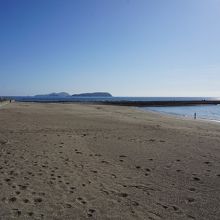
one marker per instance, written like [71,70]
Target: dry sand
[75,161]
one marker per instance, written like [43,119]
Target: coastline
[3,103]
[179,116]
[81,161]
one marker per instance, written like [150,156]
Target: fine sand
[75,161]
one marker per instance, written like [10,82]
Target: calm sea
[209,112]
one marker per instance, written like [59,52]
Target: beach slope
[78,161]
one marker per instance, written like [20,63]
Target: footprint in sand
[17,192]
[3,142]
[122,156]
[22,187]
[124,195]
[152,140]
[94,171]
[192,189]
[175,208]
[67,205]
[163,206]
[78,152]
[30,213]
[12,199]
[16,213]
[148,171]
[190,200]
[91,212]
[191,217]
[81,200]
[113,175]
[38,200]
[72,189]
[196,179]
[134,203]
[25,200]
[7,180]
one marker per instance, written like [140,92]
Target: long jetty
[163,103]
[160,103]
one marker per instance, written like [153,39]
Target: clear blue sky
[126,47]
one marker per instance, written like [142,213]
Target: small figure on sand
[195,115]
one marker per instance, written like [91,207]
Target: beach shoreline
[82,161]
[181,117]
[2,103]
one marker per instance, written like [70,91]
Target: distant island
[65,94]
[54,94]
[94,94]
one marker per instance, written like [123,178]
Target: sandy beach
[78,161]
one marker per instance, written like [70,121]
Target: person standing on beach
[195,115]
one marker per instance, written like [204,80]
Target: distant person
[195,115]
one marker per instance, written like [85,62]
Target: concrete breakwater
[160,103]
[134,103]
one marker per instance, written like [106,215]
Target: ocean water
[207,112]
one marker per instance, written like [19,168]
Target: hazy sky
[126,47]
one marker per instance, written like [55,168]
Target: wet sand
[75,161]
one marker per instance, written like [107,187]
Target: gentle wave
[207,112]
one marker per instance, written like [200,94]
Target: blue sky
[126,47]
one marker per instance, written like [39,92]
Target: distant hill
[94,94]
[54,94]
[65,94]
